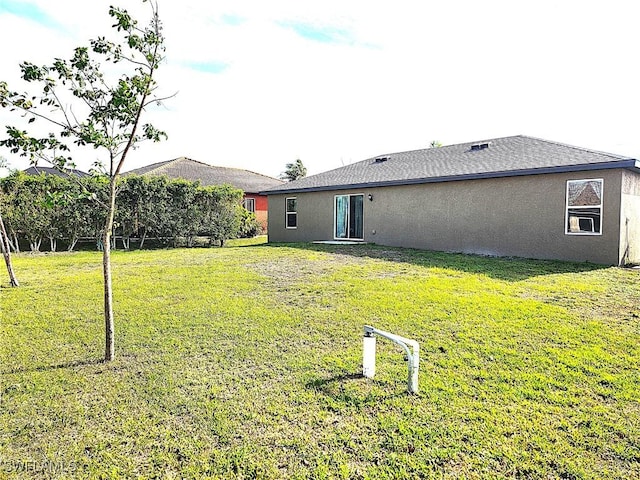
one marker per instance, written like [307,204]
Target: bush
[48,206]
[249,225]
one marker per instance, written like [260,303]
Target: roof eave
[628,163]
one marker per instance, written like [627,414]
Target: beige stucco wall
[515,216]
[630,219]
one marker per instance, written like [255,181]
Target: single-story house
[250,183]
[513,196]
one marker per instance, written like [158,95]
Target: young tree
[96,111]
[294,171]
[5,244]
[6,253]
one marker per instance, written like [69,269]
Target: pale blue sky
[27,10]
[320,33]
[260,84]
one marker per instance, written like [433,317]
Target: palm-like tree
[294,171]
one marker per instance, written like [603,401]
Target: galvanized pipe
[413,358]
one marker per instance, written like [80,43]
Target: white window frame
[249,204]
[292,212]
[335,219]
[567,228]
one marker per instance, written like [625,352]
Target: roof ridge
[446,146]
[553,142]
[152,166]
[160,167]
[193,160]
[232,168]
[170,162]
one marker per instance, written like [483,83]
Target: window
[291,215]
[250,204]
[348,217]
[584,207]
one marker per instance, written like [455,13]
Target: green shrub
[249,225]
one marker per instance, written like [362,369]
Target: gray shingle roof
[36,170]
[501,157]
[188,169]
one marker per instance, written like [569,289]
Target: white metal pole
[414,367]
[413,358]
[369,355]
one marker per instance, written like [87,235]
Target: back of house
[513,196]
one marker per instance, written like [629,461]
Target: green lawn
[244,362]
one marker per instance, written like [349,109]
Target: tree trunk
[72,243]
[6,252]
[34,245]
[109,330]
[144,236]
[16,245]
[10,241]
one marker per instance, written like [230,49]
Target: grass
[244,362]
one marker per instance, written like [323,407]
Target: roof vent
[480,146]
[381,159]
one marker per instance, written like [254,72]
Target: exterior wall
[315,217]
[630,219]
[262,209]
[514,216]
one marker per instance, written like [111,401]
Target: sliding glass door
[348,217]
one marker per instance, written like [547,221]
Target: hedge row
[67,209]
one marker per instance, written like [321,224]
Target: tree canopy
[294,171]
[93,106]
[171,211]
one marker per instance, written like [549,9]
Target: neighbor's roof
[206,174]
[499,157]
[36,170]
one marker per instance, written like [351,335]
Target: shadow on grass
[59,366]
[352,389]
[511,269]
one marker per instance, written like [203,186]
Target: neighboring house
[249,182]
[35,170]
[514,196]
